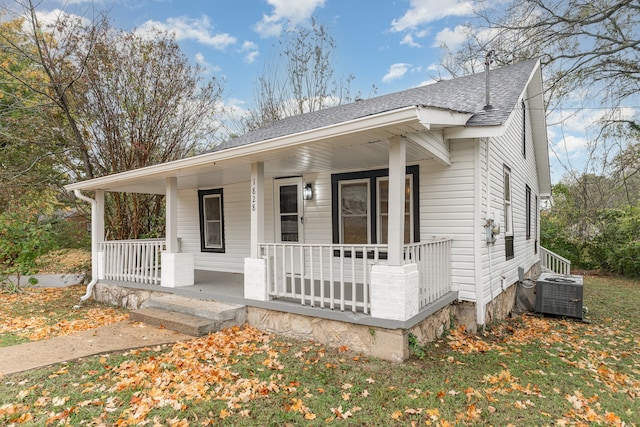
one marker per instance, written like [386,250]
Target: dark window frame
[372,176]
[535,225]
[201,196]
[527,204]
[524,129]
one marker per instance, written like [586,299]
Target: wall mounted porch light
[307,192]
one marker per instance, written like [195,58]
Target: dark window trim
[201,195]
[508,247]
[527,204]
[535,225]
[524,129]
[373,175]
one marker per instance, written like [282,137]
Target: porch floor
[229,288]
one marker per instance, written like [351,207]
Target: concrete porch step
[188,315]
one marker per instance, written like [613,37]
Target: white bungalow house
[357,224]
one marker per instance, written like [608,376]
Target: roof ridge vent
[488,60]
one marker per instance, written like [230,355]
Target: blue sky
[391,44]
[387,44]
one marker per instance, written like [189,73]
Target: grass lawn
[528,371]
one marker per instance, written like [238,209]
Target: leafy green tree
[112,100]
[25,235]
[30,145]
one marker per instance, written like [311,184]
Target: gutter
[94,245]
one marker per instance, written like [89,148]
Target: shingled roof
[463,94]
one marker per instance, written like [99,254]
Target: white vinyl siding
[236,232]
[507,150]
[447,209]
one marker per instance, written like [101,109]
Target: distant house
[357,224]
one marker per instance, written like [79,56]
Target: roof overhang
[369,128]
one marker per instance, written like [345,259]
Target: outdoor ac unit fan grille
[558,296]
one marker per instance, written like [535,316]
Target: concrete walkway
[115,337]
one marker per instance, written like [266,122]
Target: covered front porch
[312,279]
[248,212]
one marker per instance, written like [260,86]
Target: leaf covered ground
[40,313]
[525,371]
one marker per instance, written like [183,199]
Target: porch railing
[339,276]
[135,261]
[434,264]
[553,262]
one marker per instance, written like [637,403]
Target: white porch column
[255,268]
[257,207]
[97,219]
[177,268]
[397,173]
[395,287]
[171,200]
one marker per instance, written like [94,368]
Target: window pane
[354,230]
[213,234]
[289,228]
[288,199]
[212,208]
[383,194]
[354,201]
[507,187]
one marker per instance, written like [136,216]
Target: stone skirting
[377,341]
[388,344]
[130,298]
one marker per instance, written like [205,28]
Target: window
[355,217]
[524,129]
[508,214]
[361,207]
[527,203]
[211,220]
[535,227]
[383,209]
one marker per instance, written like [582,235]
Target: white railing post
[343,275]
[136,261]
[553,262]
[434,265]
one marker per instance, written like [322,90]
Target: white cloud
[200,60]
[408,40]
[452,38]
[199,30]
[53,16]
[290,12]
[426,11]
[251,57]
[250,49]
[396,71]
[571,144]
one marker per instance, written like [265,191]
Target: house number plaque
[253,195]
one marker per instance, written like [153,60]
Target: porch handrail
[434,264]
[336,276]
[553,262]
[135,261]
[322,275]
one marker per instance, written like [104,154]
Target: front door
[289,220]
[289,210]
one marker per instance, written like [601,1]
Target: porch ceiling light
[308,191]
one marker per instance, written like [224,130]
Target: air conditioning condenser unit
[560,295]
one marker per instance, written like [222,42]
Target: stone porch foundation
[388,344]
[376,341]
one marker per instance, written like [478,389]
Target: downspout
[94,244]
